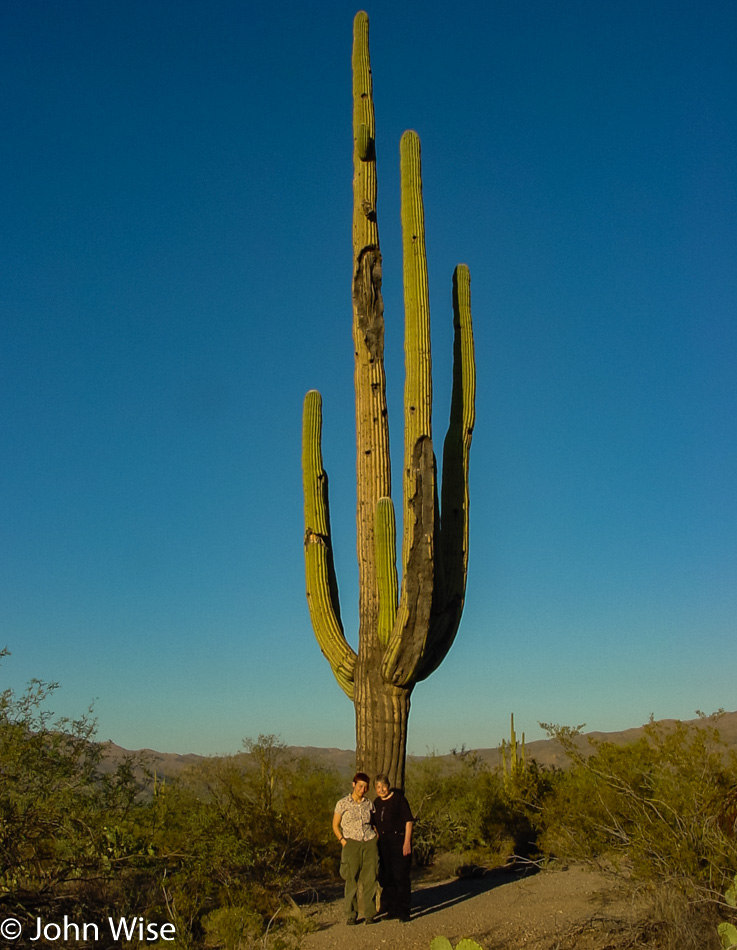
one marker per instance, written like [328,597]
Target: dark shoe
[351,922]
[404,918]
[371,920]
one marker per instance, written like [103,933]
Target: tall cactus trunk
[372,429]
[403,635]
[379,716]
[382,714]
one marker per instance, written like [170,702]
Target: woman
[393,821]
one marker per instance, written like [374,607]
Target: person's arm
[408,826]
[407,846]
[337,818]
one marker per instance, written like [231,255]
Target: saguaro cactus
[517,764]
[404,634]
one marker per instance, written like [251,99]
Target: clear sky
[175,275]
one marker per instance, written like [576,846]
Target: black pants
[396,893]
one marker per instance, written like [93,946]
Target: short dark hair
[382,779]
[361,777]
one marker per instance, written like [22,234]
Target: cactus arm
[453,543]
[322,588]
[407,642]
[385,536]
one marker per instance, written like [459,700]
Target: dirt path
[549,909]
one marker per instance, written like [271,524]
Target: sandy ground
[547,909]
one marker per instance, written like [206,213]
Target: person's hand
[407,848]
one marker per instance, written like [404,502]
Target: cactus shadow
[437,897]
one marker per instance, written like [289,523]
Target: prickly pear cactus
[730,895]
[728,935]
[442,943]
[728,932]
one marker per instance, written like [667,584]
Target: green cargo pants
[359,861]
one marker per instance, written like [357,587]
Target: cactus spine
[404,634]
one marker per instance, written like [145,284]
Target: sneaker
[371,920]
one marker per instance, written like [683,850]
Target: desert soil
[548,910]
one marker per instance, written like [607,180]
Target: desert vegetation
[232,849]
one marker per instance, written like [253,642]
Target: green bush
[653,808]
[464,806]
[220,851]
[70,838]
[240,834]
[447,799]
[513,807]
[217,852]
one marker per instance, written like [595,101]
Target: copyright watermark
[73,931]
[10,928]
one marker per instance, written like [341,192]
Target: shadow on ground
[431,898]
[437,897]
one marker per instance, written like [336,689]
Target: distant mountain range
[549,752]
[546,752]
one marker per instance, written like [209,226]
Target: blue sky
[175,275]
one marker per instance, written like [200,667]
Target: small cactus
[517,764]
[442,943]
[727,934]
[730,895]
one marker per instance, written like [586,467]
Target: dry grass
[660,918]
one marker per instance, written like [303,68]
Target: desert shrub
[216,852]
[464,806]
[231,927]
[447,798]
[654,807]
[237,928]
[512,809]
[240,834]
[70,838]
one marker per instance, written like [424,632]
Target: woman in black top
[393,822]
